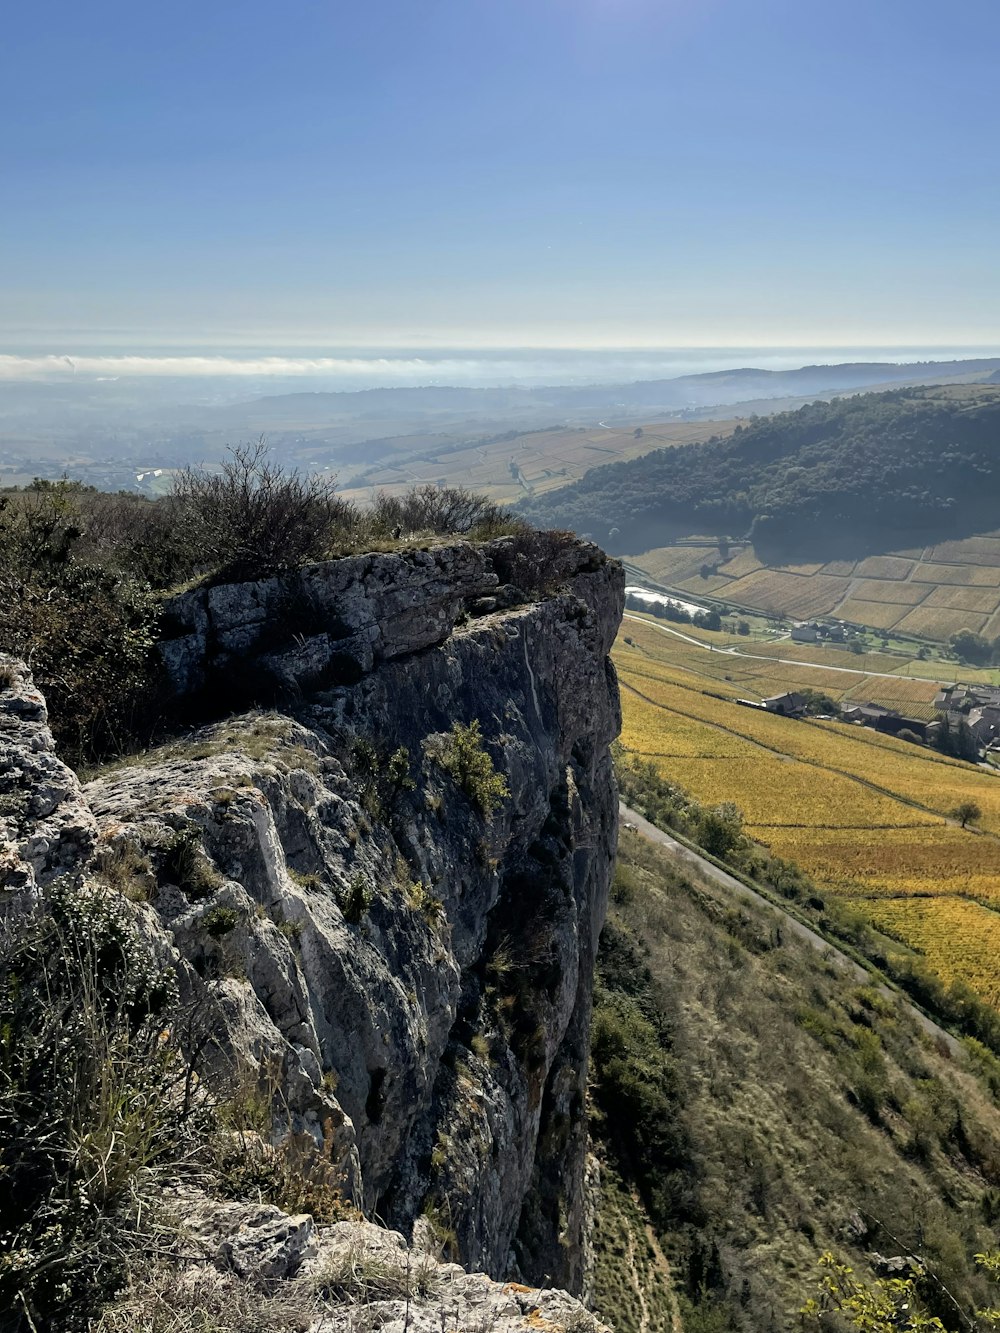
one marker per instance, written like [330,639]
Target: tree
[967,812]
[900,1301]
[971,647]
[743,627]
[721,829]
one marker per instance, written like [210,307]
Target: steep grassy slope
[754,1107]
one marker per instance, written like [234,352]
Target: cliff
[381,894]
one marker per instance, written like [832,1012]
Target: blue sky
[499,173]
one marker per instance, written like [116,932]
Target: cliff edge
[379,866]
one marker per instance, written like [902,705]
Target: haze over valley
[500,667]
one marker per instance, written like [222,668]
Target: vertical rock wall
[413,971]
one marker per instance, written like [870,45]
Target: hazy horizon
[439,367]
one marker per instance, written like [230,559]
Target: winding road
[691,860]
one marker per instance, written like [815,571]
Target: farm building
[885,719]
[806,632]
[791,704]
[964,698]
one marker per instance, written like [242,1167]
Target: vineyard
[929,594]
[868,816]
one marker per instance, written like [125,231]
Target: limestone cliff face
[342,908]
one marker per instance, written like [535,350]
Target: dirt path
[798,928]
[660,1262]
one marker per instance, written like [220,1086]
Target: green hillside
[755,1107]
[859,475]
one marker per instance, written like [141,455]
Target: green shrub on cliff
[462,754]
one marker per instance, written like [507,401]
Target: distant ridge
[706,389]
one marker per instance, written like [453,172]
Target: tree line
[855,476]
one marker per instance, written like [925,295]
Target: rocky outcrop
[46,827]
[382,897]
[354,1275]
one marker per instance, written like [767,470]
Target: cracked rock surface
[407,971]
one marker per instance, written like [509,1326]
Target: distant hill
[847,478]
[710,389]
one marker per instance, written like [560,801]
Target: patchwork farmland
[929,593]
[868,816]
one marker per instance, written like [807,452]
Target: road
[789,661]
[797,928]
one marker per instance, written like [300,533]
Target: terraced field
[930,593]
[868,816]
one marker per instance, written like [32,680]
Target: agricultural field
[958,937]
[868,816]
[925,594]
[513,466]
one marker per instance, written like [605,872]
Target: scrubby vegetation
[84,574]
[763,1107]
[93,1106]
[464,757]
[872,473]
[104,1109]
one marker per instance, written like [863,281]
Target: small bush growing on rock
[462,754]
[219,921]
[255,1158]
[126,868]
[184,863]
[382,778]
[358,899]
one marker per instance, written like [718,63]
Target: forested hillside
[861,475]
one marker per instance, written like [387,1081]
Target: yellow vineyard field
[935,622]
[770,790]
[879,615]
[959,938]
[867,815]
[889,590]
[981,576]
[972,551]
[983,600]
[885,567]
[940,861]
[791,594]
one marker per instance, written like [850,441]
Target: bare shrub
[442,511]
[252,518]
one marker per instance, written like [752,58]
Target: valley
[869,817]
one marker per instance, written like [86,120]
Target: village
[967,725]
